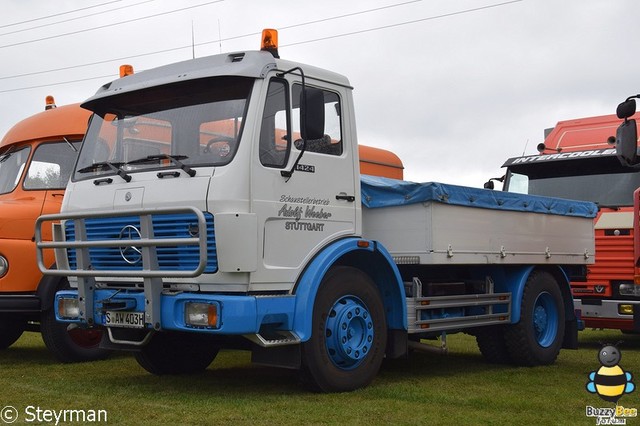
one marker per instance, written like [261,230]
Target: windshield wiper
[7,153]
[106,165]
[175,159]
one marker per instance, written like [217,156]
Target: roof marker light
[49,103]
[126,70]
[269,42]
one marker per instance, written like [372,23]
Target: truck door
[300,214]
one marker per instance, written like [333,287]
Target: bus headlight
[4,266]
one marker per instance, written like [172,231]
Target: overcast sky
[454,87]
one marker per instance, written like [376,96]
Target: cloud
[454,94]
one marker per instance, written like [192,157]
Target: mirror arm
[303,121]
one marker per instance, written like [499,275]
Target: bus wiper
[175,159]
[106,165]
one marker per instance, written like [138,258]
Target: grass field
[458,388]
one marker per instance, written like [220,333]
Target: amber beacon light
[270,42]
[126,70]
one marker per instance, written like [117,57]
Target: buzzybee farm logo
[610,382]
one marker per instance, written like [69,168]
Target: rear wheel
[537,338]
[349,333]
[177,353]
[11,328]
[492,345]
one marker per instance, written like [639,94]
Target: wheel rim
[545,319]
[349,332]
[85,338]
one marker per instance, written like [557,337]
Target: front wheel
[177,353]
[537,338]
[349,333]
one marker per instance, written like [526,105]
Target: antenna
[220,35]
[193,42]
[525,147]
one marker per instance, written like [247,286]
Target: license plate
[124,319]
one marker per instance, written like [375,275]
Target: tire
[349,333]
[492,346]
[537,338]
[177,353]
[11,328]
[68,343]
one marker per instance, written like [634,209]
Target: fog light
[629,290]
[4,266]
[625,309]
[68,308]
[201,314]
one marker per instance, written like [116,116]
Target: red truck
[578,161]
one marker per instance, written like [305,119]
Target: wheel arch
[369,257]
[514,280]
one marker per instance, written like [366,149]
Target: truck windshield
[196,123]
[604,182]
[12,163]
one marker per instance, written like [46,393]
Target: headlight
[4,266]
[201,314]
[629,290]
[68,308]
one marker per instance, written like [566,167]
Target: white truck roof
[253,64]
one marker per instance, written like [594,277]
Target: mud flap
[570,340]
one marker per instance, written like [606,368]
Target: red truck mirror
[627,133]
[626,109]
[627,143]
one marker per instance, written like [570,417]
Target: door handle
[344,196]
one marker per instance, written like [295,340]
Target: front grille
[177,258]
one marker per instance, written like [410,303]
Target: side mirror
[627,142]
[489,185]
[626,109]
[312,113]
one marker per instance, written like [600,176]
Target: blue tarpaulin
[385,192]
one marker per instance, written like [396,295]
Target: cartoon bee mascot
[610,382]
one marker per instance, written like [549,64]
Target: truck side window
[12,164]
[331,143]
[51,166]
[274,132]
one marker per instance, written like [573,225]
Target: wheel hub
[349,332]
[545,319]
